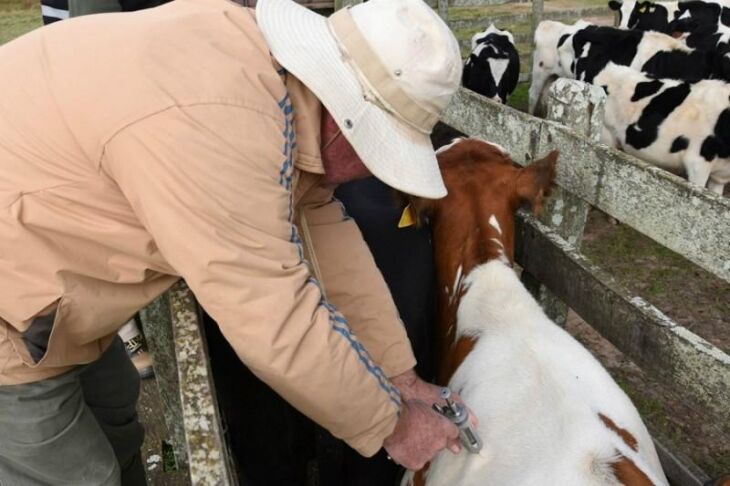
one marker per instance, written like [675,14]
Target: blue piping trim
[338,321]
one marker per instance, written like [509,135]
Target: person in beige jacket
[202,140]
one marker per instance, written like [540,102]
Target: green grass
[518,100]
[168,457]
[491,11]
[17,18]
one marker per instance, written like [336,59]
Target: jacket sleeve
[353,282]
[212,185]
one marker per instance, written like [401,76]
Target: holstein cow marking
[582,50]
[550,35]
[548,412]
[644,15]
[493,67]
[678,126]
[704,25]
[650,52]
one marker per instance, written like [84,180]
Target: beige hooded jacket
[139,148]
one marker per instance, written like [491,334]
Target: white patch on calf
[537,393]
[495,224]
[495,145]
[498,68]
[447,147]
[457,284]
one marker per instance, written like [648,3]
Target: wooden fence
[685,218]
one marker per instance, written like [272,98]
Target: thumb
[451,431]
[454,445]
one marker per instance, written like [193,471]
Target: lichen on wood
[208,457]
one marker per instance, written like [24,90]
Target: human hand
[419,434]
[412,387]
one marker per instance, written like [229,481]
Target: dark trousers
[78,429]
[272,442]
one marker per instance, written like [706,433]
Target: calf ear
[534,182]
[614,5]
[420,208]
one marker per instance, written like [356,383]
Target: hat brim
[395,153]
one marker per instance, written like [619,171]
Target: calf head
[480,37]
[624,9]
[550,37]
[644,15]
[493,66]
[545,61]
[474,223]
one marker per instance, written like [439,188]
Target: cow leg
[716,187]
[698,170]
[608,138]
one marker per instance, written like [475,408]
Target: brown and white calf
[549,414]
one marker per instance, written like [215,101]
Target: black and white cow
[493,67]
[672,124]
[581,51]
[644,15]
[653,53]
[703,25]
[707,24]
[550,35]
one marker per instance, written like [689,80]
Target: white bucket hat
[385,70]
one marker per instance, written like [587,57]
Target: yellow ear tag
[407,218]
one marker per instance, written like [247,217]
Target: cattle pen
[687,219]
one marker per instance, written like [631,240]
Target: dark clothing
[272,442]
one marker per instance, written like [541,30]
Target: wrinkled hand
[414,388]
[419,434]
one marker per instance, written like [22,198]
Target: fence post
[210,461]
[537,12]
[173,329]
[443,8]
[578,106]
[157,327]
[345,3]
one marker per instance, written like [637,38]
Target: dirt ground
[156,452]
[689,295]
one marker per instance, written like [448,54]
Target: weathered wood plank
[208,456]
[580,107]
[483,22]
[157,327]
[538,12]
[688,219]
[670,352]
[443,9]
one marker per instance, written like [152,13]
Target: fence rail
[502,20]
[676,356]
